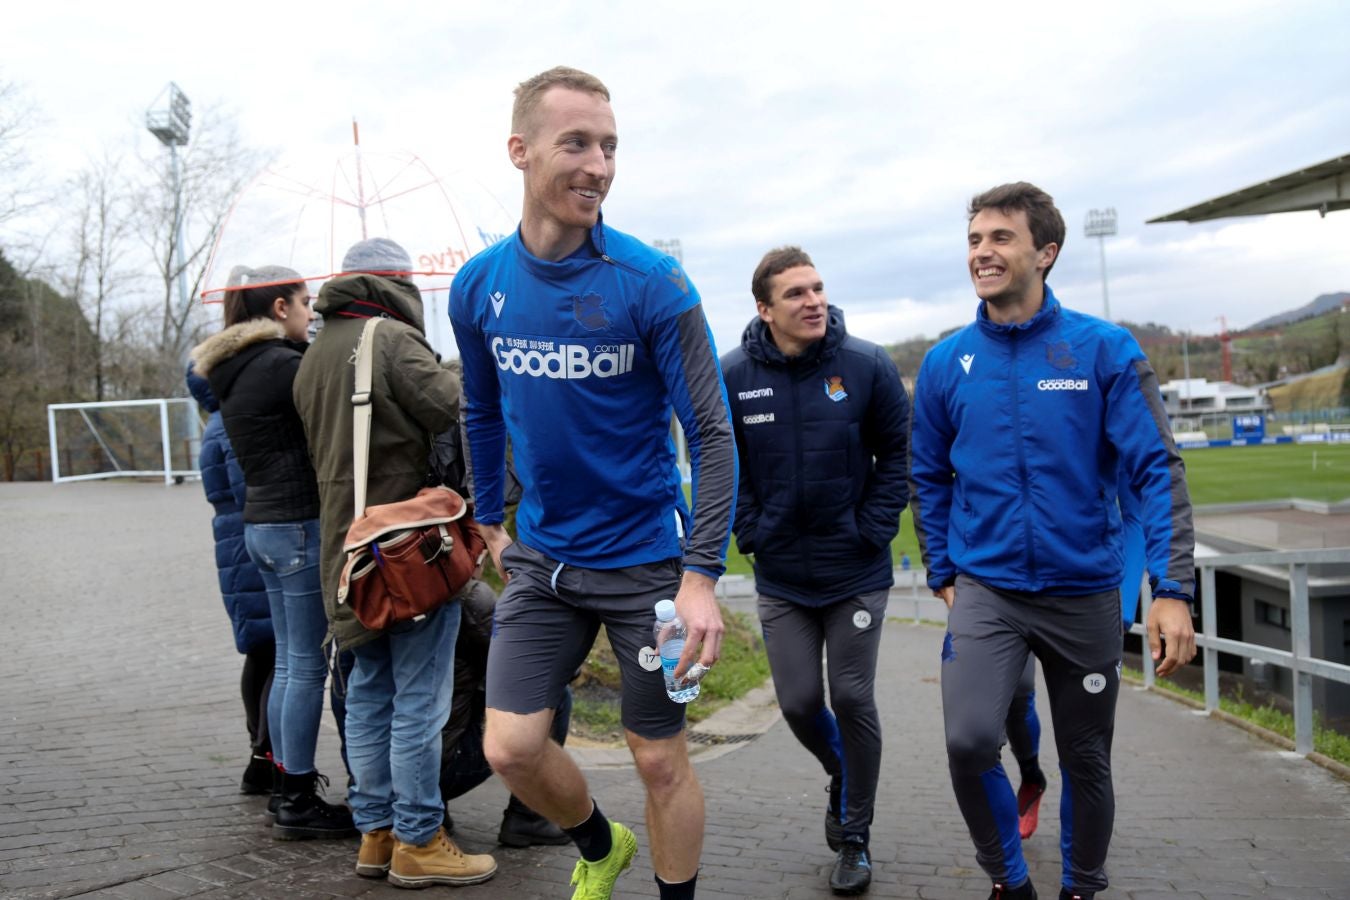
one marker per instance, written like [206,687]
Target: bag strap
[361,414]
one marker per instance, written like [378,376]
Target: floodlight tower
[169,120]
[670,247]
[1101,223]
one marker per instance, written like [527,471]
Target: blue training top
[581,361]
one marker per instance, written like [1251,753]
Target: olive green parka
[413,397]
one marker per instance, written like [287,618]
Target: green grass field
[1240,474]
[1215,475]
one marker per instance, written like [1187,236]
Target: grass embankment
[1331,744]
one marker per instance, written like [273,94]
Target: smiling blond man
[1022,423]
[577,342]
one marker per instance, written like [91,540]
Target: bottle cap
[665,610]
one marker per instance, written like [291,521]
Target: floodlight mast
[171,124]
[670,247]
[1099,224]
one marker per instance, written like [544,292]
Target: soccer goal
[125,439]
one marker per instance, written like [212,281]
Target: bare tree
[215,166]
[101,241]
[17,185]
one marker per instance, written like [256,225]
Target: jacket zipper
[1027,530]
[614,262]
[797,455]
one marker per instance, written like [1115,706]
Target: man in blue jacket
[822,423]
[1022,422]
[577,342]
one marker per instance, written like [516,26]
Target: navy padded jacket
[823,441]
[241,586]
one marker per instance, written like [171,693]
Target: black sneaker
[852,869]
[1024,891]
[834,828]
[1066,894]
[523,827]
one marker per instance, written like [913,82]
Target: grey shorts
[547,619]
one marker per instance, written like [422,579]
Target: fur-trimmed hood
[228,343]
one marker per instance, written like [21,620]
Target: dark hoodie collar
[371,296]
[758,342]
[1048,313]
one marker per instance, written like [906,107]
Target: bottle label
[670,655]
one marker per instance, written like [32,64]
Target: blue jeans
[287,556]
[398,701]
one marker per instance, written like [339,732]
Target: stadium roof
[1324,187]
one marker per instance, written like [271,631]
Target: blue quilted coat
[240,584]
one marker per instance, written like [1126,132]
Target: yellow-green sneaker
[595,880]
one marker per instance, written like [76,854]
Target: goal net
[125,438]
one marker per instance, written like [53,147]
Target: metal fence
[1299,660]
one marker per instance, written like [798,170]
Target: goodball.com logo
[1062,384]
[568,361]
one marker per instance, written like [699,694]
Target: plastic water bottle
[670,634]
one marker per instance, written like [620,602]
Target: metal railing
[1299,660]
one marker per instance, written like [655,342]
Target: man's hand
[497,540]
[946,594]
[697,605]
[1169,622]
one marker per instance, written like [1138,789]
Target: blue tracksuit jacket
[1018,434]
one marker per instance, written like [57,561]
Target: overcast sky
[859,133]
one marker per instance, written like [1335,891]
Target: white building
[1193,396]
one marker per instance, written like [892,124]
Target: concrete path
[122,741]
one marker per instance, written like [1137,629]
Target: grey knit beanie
[377,256]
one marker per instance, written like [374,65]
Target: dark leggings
[844,736]
[1077,639]
[255,683]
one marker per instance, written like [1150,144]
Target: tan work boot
[438,861]
[377,849]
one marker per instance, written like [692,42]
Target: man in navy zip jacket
[822,423]
[1022,423]
[577,342]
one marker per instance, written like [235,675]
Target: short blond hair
[530,91]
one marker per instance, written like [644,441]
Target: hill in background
[1323,304]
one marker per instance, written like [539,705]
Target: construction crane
[1226,342]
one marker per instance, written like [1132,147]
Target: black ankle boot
[302,814]
[257,776]
[523,827]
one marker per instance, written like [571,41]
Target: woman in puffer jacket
[251,366]
[241,585]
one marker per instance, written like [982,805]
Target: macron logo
[498,301]
[966,361]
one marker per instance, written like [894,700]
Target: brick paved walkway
[121,743]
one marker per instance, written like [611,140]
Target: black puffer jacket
[823,444]
[251,367]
